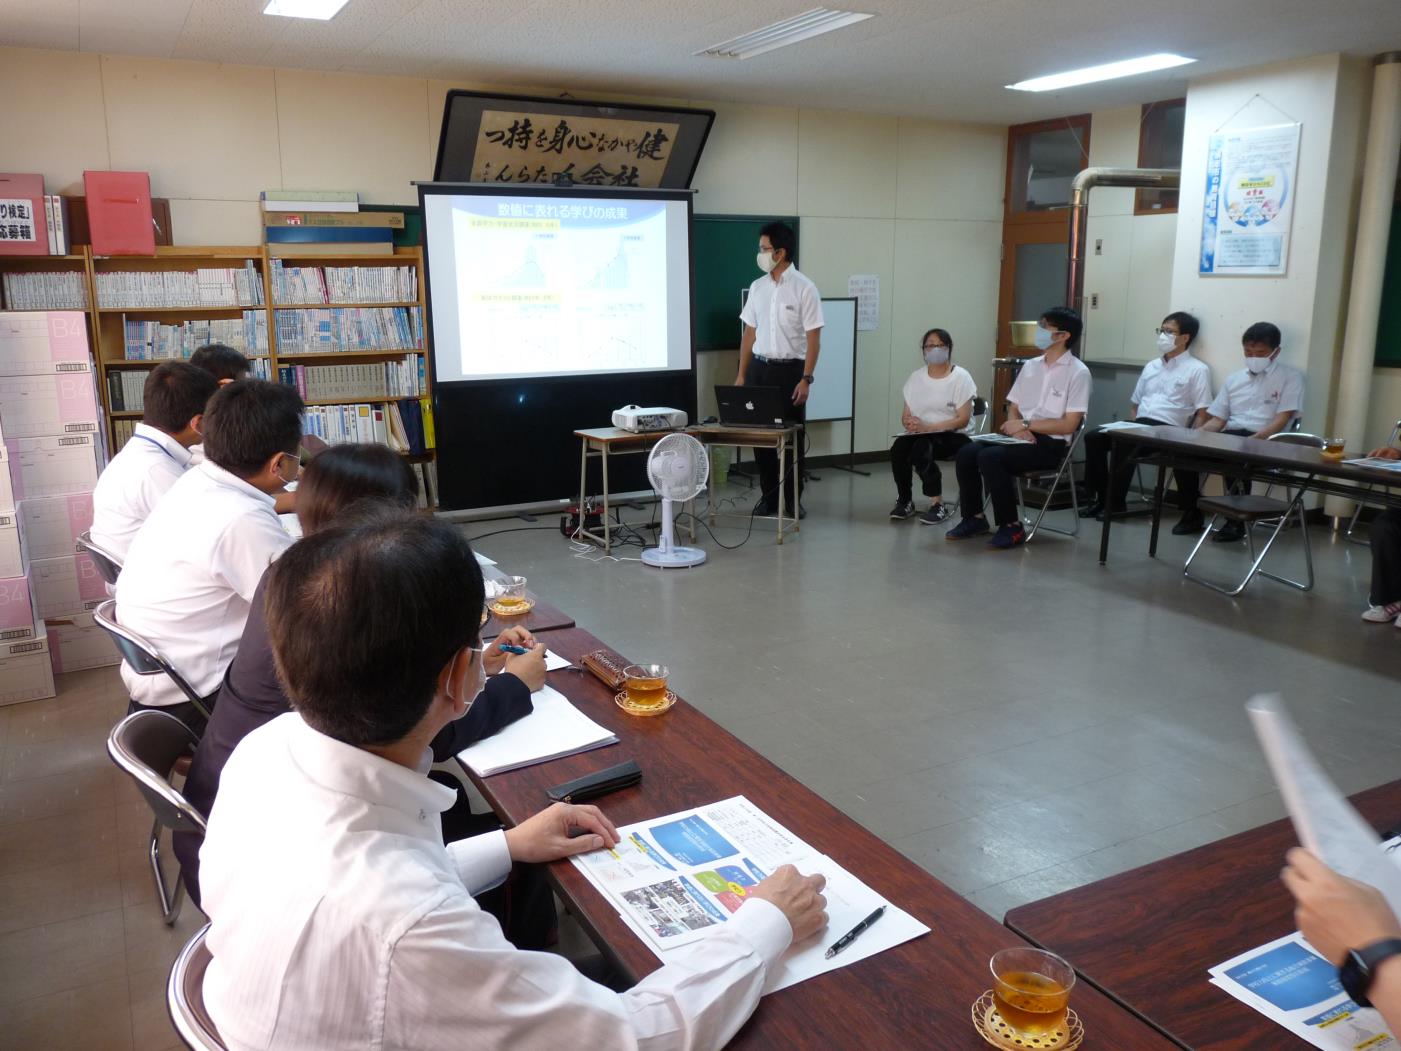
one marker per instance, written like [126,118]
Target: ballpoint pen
[851,935]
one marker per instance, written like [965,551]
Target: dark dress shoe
[1190,522]
[1229,533]
[1093,511]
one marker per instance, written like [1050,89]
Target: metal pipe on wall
[1364,305]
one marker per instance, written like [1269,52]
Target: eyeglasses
[1166,332]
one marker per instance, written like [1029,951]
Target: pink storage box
[77,642]
[43,344]
[17,619]
[70,584]
[25,671]
[31,406]
[7,489]
[54,465]
[50,526]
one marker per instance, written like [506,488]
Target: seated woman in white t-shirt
[938,408]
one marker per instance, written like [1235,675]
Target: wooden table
[1147,937]
[542,617]
[600,443]
[782,440]
[1256,459]
[917,995]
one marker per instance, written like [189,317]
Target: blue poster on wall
[1249,201]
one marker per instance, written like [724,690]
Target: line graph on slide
[529,275]
[614,275]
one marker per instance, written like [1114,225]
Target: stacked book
[405,425]
[46,290]
[340,329]
[325,222]
[157,341]
[344,284]
[207,287]
[388,379]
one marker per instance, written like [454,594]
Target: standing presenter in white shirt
[195,564]
[153,459]
[782,337]
[344,922]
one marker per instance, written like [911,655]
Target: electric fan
[677,467]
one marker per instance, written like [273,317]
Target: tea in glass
[1333,448]
[1032,990]
[645,684]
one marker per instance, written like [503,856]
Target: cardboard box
[32,406]
[7,490]
[35,343]
[17,619]
[25,671]
[50,526]
[65,585]
[77,642]
[11,551]
[54,465]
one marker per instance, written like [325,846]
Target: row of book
[122,430]
[406,425]
[325,222]
[386,379]
[340,329]
[343,284]
[158,341]
[126,387]
[60,229]
[46,290]
[205,287]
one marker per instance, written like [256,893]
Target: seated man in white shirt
[157,454]
[1045,407]
[1173,390]
[195,564]
[344,922]
[1260,400]
[938,405]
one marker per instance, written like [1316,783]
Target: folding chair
[1054,476]
[1250,510]
[109,566]
[146,745]
[184,996]
[979,417]
[1357,512]
[140,656]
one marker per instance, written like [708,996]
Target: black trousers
[997,466]
[1386,557]
[784,375]
[919,454]
[1114,491]
[1191,480]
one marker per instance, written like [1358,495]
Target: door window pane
[1043,164]
[1038,282]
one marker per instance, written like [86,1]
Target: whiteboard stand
[832,397]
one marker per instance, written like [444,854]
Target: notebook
[553,730]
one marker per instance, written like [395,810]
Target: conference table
[918,994]
[1281,463]
[1147,937]
[541,617]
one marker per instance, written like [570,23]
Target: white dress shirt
[1248,402]
[782,313]
[131,485]
[190,574]
[1048,392]
[339,920]
[1171,390]
[938,400]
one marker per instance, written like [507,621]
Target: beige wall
[919,203]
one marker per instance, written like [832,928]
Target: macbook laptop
[752,406]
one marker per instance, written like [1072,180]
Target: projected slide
[558,286]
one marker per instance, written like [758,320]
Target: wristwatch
[1357,970]
[809,378]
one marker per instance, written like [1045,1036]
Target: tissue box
[32,406]
[77,642]
[54,465]
[17,619]
[11,553]
[43,344]
[70,584]
[51,525]
[25,672]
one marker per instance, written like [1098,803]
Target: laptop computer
[752,406]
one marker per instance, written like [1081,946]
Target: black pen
[851,935]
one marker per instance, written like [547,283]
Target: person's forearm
[814,345]
[1063,425]
[1275,426]
[746,350]
[1134,414]
[1213,423]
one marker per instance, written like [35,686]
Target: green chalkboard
[722,253]
[1389,324]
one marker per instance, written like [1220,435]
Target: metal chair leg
[169,899]
[1256,560]
[1074,530]
[1307,584]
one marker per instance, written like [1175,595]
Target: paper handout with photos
[1325,821]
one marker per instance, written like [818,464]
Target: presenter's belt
[779,361]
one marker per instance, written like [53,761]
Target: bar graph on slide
[613,276]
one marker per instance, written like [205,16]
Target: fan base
[676,558]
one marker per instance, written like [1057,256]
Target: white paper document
[554,662]
[553,730]
[1378,463]
[676,878]
[1000,439]
[1120,425]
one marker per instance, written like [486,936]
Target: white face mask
[1044,339]
[765,261]
[936,355]
[1258,365]
[1167,342]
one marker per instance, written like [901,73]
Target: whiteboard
[833,392]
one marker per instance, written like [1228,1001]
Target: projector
[640,420]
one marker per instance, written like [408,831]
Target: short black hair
[943,336]
[364,616]
[345,474]
[1262,332]
[175,392]
[1187,324]
[1066,320]
[248,422]
[221,362]
[781,235]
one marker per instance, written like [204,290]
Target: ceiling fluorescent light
[1130,67]
[790,31]
[322,9]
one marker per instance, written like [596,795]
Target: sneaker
[969,527]
[1008,536]
[902,510]
[937,513]
[1229,533]
[1383,614]
[1190,522]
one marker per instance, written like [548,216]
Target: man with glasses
[1173,390]
[195,563]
